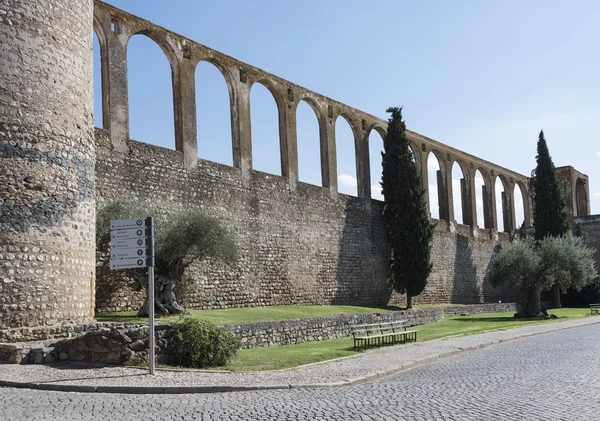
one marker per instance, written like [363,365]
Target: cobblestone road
[554,376]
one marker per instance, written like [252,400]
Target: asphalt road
[554,376]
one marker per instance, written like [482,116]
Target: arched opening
[264,116]
[500,204]
[97,75]
[434,180]
[309,144]
[480,202]
[346,157]
[519,206]
[459,184]
[375,150]
[213,115]
[151,116]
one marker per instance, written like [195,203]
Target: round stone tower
[47,155]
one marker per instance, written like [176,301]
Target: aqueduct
[115,28]
[300,244]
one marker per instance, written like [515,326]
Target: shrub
[199,343]
[589,294]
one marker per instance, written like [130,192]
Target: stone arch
[482,198]
[526,208]
[460,189]
[518,205]
[346,156]
[502,203]
[436,184]
[103,94]
[310,155]
[217,131]
[226,72]
[375,163]
[170,56]
[263,159]
[312,103]
[162,42]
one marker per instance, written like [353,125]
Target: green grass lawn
[254,314]
[280,357]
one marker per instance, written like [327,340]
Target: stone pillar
[363,167]
[465,202]
[527,206]
[470,199]
[289,145]
[447,192]
[487,197]
[493,210]
[425,182]
[47,156]
[508,212]
[118,91]
[186,137]
[241,132]
[328,155]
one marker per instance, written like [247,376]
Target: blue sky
[480,76]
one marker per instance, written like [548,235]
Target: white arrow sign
[127,244]
[128,263]
[128,253]
[119,224]
[127,234]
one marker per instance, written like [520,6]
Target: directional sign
[128,263]
[127,234]
[128,253]
[127,244]
[126,223]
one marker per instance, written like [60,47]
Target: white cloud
[376,192]
[598,154]
[347,180]
[597,195]
[347,184]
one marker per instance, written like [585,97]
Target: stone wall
[294,331]
[295,248]
[112,343]
[589,229]
[47,155]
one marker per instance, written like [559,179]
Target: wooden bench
[595,308]
[385,333]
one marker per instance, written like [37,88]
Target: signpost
[132,247]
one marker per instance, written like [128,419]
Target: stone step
[27,353]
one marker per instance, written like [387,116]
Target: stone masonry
[128,345]
[299,244]
[47,158]
[300,248]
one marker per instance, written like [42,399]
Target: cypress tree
[549,215]
[405,212]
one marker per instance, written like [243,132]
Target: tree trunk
[165,301]
[408,301]
[556,291]
[531,304]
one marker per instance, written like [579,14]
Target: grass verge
[288,356]
[255,314]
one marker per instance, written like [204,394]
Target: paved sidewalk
[367,367]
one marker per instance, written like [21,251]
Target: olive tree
[181,239]
[532,266]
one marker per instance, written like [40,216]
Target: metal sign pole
[151,311]
[132,247]
[150,254]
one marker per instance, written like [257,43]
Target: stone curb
[225,389]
